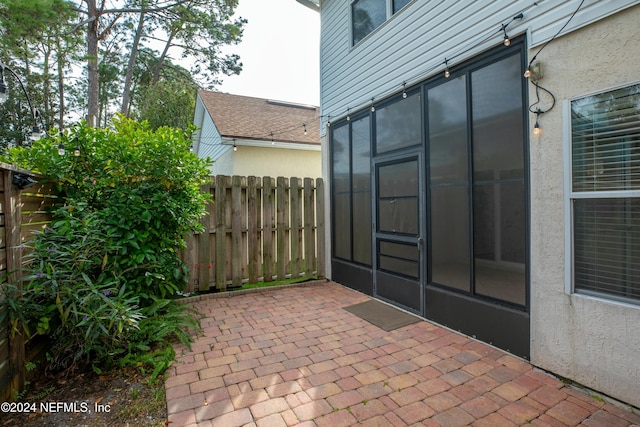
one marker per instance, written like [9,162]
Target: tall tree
[199,30]
[128,77]
[168,102]
[101,20]
[32,37]
[193,29]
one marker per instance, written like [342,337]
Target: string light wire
[557,34]
[535,107]
[483,38]
[491,33]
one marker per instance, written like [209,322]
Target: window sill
[605,299]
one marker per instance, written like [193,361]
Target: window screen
[605,131]
[367,15]
[399,4]
[605,148]
[351,190]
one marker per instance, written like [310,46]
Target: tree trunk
[156,71]
[126,95]
[60,83]
[47,115]
[92,63]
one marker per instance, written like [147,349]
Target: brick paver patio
[293,356]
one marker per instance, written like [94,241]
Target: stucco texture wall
[274,162]
[223,165]
[592,341]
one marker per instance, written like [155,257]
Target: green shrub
[103,272]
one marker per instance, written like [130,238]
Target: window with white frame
[367,15]
[605,194]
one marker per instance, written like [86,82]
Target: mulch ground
[86,399]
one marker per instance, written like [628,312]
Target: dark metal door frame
[408,293]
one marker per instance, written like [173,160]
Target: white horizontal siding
[207,140]
[413,44]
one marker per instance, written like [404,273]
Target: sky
[279,52]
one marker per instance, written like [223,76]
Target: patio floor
[293,356]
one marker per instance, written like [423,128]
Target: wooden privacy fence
[21,213]
[258,230]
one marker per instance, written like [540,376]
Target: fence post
[320,226]
[12,212]
[221,233]
[253,229]
[204,246]
[268,200]
[282,215]
[236,231]
[295,236]
[309,241]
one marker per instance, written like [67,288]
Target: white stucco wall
[207,139]
[591,341]
[274,162]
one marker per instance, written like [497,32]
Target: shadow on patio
[294,356]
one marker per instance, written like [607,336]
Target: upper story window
[399,4]
[367,15]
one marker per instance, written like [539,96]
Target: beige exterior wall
[223,165]
[258,161]
[592,341]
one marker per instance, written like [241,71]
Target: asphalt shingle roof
[245,117]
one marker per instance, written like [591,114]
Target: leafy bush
[103,272]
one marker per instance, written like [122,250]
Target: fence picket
[22,212]
[296,236]
[204,249]
[281,224]
[220,202]
[308,230]
[268,198]
[236,232]
[253,227]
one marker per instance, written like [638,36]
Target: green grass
[256,285]
[275,283]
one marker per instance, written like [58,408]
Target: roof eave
[311,4]
[239,141]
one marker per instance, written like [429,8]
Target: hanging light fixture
[537,130]
[507,40]
[36,133]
